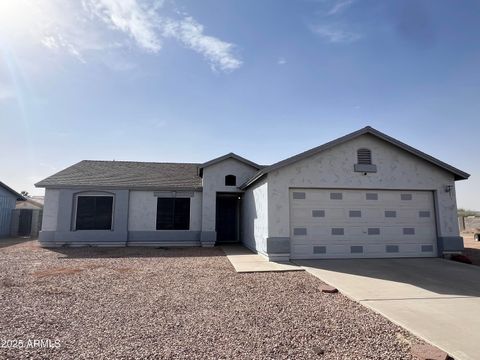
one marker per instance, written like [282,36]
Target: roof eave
[19,196]
[118,187]
[225,157]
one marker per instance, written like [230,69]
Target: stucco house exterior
[365,194]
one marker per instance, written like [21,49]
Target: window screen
[173,213]
[94,213]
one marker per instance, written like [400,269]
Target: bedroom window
[230,180]
[173,213]
[94,212]
[364,156]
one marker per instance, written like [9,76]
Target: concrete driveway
[435,299]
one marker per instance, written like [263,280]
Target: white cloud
[335,33]
[281,61]
[94,29]
[219,53]
[129,17]
[339,6]
[147,27]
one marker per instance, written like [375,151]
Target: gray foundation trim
[278,245]
[171,236]
[278,257]
[366,168]
[208,238]
[449,244]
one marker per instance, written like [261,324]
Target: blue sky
[192,80]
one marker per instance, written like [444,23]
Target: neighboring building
[362,195]
[27,217]
[31,202]
[8,199]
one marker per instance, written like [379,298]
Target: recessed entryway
[228,217]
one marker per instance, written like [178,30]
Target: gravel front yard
[176,304]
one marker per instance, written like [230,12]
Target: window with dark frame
[94,213]
[364,156]
[230,180]
[173,213]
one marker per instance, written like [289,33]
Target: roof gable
[459,175]
[225,157]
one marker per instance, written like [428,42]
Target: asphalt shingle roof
[127,174]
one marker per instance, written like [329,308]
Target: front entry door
[228,218]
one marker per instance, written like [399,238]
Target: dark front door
[25,222]
[228,218]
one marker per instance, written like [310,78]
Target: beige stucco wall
[50,210]
[214,181]
[333,168]
[255,216]
[142,214]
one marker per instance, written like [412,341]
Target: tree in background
[466,212]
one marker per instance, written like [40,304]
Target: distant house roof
[29,204]
[459,175]
[126,174]
[13,192]
[228,156]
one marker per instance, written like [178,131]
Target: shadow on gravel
[13,241]
[135,252]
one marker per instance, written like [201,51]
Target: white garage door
[329,223]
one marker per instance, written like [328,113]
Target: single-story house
[365,194]
[8,199]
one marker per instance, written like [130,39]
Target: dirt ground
[147,303]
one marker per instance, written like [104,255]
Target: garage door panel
[333,223]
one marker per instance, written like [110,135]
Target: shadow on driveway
[438,276]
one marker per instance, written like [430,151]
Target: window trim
[90,194]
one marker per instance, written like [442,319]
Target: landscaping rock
[147,303]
